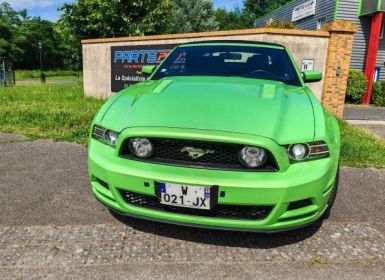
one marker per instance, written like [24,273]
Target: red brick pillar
[337,65]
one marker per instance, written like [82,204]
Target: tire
[333,194]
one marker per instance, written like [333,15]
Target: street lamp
[42,76]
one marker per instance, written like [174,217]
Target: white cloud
[28,4]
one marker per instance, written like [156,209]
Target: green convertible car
[223,134]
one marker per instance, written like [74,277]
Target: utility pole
[42,75]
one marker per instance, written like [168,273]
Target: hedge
[356,86]
[378,94]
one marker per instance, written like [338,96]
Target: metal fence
[7,75]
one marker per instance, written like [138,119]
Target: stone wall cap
[340,26]
[289,32]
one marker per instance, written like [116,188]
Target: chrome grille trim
[168,151]
[99,132]
[318,149]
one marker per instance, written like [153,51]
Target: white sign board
[307,64]
[304,10]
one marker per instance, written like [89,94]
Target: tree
[9,40]
[19,39]
[258,8]
[33,31]
[191,16]
[235,19]
[86,19]
[101,19]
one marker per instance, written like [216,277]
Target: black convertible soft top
[232,41]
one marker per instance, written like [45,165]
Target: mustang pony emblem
[195,153]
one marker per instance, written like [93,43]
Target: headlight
[105,135]
[299,152]
[141,147]
[252,157]
[313,150]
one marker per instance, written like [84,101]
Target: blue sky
[47,9]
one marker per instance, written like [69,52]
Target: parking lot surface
[52,227]
[364,113]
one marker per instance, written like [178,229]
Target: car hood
[258,107]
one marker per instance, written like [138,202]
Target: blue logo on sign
[136,56]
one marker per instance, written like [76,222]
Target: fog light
[252,157]
[141,147]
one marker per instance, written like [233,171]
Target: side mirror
[148,69]
[311,76]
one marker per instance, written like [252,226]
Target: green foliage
[245,17]
[10,43]
[100,18]
[35,74]
[280,24]
[262,7]
[84,19]
[378,94]
[188,16]
[376,90]
[19,39]
[33,31]
[56,111]
[235,19]
[356,86]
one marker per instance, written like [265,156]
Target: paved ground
[364,113]
[52,227]
[371,119]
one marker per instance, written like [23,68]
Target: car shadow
[221,237]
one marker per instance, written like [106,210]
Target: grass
[361,149]
[62,113]
[55,111]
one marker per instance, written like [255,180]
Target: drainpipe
[370,65]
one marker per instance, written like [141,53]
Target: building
[368,53]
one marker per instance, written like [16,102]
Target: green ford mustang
[223,134]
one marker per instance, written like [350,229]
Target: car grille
[220,211]
[225,155]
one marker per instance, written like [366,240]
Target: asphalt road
[371,119]
[51,227]
[364,113]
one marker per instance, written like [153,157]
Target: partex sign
[127,62]
[304,10]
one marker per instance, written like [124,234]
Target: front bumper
[308,180]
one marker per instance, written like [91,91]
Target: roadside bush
[356,86]
[378,95]
[280,24]
[376,91]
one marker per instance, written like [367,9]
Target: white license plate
[185,196]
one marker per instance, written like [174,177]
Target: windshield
[230,61]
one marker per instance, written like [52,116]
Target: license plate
[197,197]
